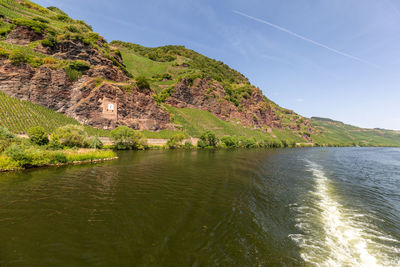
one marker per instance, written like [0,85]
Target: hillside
[59,63]
[333,132]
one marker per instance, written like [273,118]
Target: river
[283,207]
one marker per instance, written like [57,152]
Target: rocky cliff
[48,84]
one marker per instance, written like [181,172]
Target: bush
[162,76]
[5,133]
[6,29]
[164,95]
[70,136]
[36,26]
[40,19]
[209,139]
[72,28]
[72,74]
[49,60]
[92,140]
[230,141]
[175,141]
[62,17]
[50,41]
[19,57]
[4,53]
[18,154]
[6,163]
[58,157]
[38,136]
[142,82]
[57,10]
[201,144]
[248,142]
[127,138]
[188,145]
[79,65]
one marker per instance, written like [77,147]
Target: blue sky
[342,61]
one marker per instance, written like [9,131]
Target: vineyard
[18,116]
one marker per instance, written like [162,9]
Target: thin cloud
[305,38]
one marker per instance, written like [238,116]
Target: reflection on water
[323,207]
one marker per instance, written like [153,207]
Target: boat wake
[333,235]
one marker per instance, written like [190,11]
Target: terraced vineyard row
[18,116]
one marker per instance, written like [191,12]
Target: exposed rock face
[82,99]
[22,35]
[77,50]
[211,97]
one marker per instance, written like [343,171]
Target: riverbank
[34,158]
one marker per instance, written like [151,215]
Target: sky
[337,59]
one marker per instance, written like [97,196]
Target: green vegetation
[205,66]
[38,136]
[70,136]
[142,82]
[175,141]
[36,26]
[19,153]
[196,121]
[334,133]
[126,138]
[56,26]
[208,139]
[19,116]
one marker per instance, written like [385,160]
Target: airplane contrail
[304,38]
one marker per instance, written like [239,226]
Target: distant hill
[329,131]
[59,63]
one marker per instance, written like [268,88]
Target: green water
[201,208]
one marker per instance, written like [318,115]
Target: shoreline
[60,164]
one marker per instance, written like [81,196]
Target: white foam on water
[336,236]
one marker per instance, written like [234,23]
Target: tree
[230,141]
[142,82]
[127,138]
[208,139]
[175,141]
[71,136]
[38,136]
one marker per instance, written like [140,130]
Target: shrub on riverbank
[125,138]
[38,136]
[175,141]
[208,140]
[70,136]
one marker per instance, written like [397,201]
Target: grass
[88,154]
[196,121]
[138,65]
[36,157]
[288,135]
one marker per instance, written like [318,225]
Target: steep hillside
[183,78]
[333,132]
[52,60]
